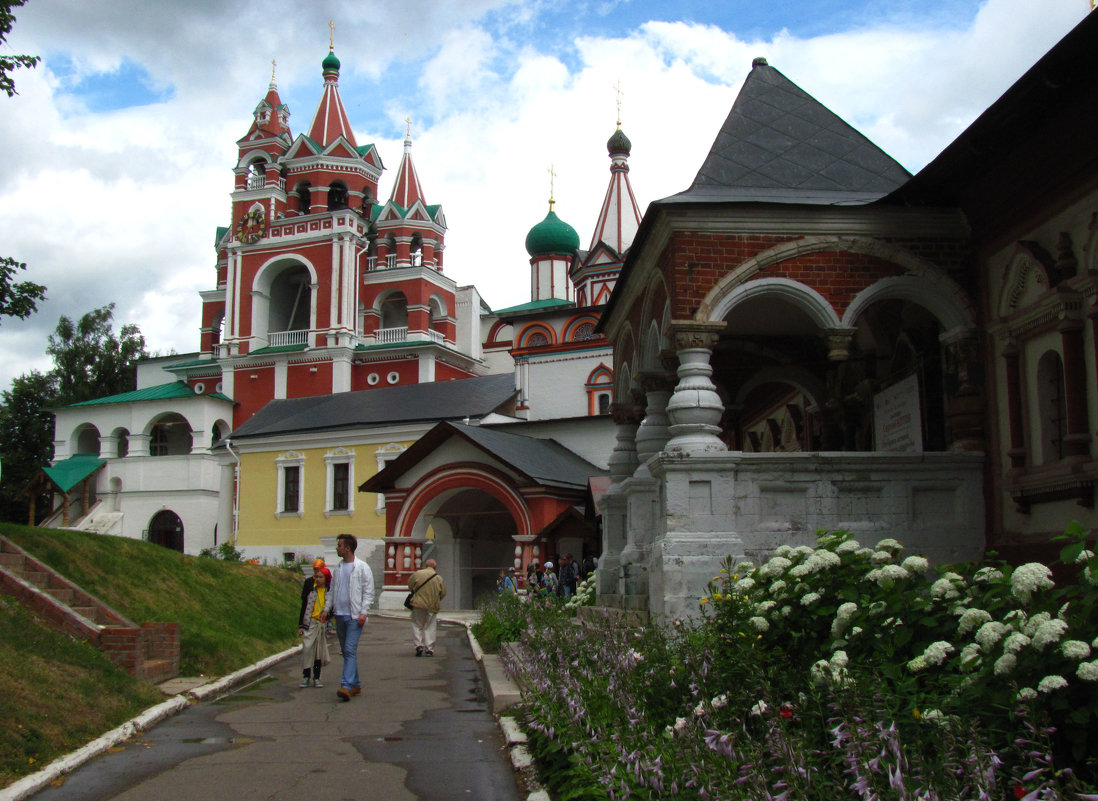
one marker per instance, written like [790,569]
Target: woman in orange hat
[310,625]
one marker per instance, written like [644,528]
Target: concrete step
[35,578]
[87,611]
[158,670]
[63,594]
[12,561]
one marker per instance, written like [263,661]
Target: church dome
[330,63]
[552,235]
[618,143]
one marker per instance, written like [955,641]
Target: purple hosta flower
[972,619]
[1051,683]
[1028,578]
[1048,633]
[1088,671]
[720,702]
[758,709]
[989,634]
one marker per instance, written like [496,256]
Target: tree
[90,361]
[17,300]
[26,438]
[8,64]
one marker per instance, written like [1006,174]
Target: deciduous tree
[90,361]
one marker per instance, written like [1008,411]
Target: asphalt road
[420,730]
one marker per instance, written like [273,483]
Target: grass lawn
[57,693]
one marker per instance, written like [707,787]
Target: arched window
[1052,406]
[537,340]
[583,332]
[301,192]
[87,440]
[604,403]
[170,436]
[416,250]
[257,174]
[337,196]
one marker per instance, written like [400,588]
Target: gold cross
[331,34]
[552,184]
[617,88]
[274,64]
[408,133]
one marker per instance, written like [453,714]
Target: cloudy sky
[116,156]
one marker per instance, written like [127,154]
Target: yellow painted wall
[259,524]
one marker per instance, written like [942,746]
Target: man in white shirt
[352,596]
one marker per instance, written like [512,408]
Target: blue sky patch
[125,87]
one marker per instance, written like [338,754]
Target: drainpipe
[236,485]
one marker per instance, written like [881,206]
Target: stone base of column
[680,567]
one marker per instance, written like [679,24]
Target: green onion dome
[618,143]
[330,63]
[552,236]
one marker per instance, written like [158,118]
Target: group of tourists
[561,580]
[346,594]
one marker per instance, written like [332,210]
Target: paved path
[420,730]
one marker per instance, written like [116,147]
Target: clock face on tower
[251,227]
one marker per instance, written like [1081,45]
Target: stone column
[1017,451]
[654,431]
[965,410]
[1077,440]
[139,444]
[695,408]
[622,462]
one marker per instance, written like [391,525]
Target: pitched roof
[169,391]
[330,120]
[542,461]
[407,189]
[67,473]
[439,400]
[781,145]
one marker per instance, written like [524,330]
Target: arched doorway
[167,529]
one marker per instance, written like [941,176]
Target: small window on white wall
[290,501]
[340,467]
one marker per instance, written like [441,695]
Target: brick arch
[804,297]
[465,476]
[911,264]
[925,291]
[575,322]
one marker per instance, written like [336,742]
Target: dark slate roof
[543,461]
[439,400]
[781,145]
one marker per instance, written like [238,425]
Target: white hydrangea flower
[1015,642]
[943,590]
[864,553]
[764,607]
[877,607]
[1075,649]
[889,544]
[1027,694]
[839,659]
[787,610]
[917,664]
[1005,664]
[1051,683]
[933,715]
[970,655]
[803,550]
[1084,556]
[759,623]
[1049,632]
[1087,671]
[1028,578]
[778,564]
[891,573]
[847,546]
[937,652]
[744,585]
[800,571]
[989,634]
[810,599]
[783,550]
[744,567]
[778,587]
[854,632]
[880,557]
[1036,622]
[916,564]
[1090,576]
[822,559]
[985,574]
[971,619]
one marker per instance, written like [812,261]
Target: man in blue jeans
[352,596]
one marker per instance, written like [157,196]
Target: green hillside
[57,693]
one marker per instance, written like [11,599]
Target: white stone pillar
[622,463]
[695,408]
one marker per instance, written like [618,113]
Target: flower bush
[834,671]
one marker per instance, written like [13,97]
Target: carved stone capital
[687,334]
[626,413]
[838,343]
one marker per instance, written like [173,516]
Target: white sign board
[897,419]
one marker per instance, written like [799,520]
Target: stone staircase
[149,651]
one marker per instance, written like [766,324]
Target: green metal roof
[67,473]
[552,235]
[170,391]
[221,231]
[535,305]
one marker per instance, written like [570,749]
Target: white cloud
[122,206]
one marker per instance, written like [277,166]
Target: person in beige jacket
[428,590]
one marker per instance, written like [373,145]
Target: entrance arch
[166,528]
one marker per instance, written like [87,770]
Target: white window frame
[331,459]
[384,455]
[284,460]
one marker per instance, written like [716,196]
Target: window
[291,488]
[604,403]
[537,339]
[1053,406]
[340,468]
[158,442]
[289,501]
[583,332]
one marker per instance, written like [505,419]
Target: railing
[256,181]
[282,338]
[436,336]
[385,336]
[390,261]
[371,263]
